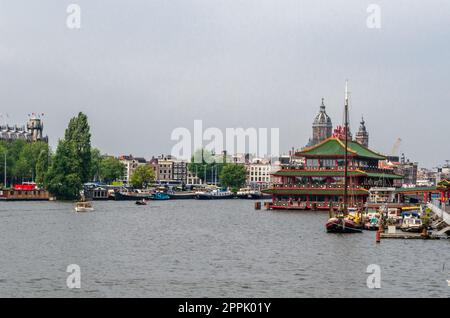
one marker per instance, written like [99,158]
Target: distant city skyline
[141,71]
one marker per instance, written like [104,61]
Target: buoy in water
[257,205]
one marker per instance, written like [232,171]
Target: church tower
[35,127]
[362,136]
[322,126]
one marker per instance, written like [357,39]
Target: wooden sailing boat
[342,223]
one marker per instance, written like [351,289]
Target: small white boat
[84,206]
[411,224]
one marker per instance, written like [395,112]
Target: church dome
[322,118]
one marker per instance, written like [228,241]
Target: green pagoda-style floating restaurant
[319,182]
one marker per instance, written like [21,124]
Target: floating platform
[409,236]
[405,235]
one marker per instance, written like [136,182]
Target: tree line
[63,172]
[75,162]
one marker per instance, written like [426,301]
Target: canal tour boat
[84,206]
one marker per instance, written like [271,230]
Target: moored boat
[410,220]
[251,194]
[27,191]
[181,195]
[160,196]
[411,224]
[131,196]
[342,225]
[216,194]
[372,224]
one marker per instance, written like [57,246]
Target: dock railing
[436,208]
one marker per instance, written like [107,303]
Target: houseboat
[94,191]
[216,194]
[24,192]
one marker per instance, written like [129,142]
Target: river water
[204,249]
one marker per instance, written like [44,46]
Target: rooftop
[334,147]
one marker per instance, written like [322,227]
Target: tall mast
[346,153]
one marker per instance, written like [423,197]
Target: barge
[24,192]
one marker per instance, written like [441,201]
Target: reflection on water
[204,248]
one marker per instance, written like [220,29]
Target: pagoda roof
[383,175]
[334,147]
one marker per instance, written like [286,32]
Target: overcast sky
[139,69]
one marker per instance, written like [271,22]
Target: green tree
[233,175]
[13,150]
[62,179]
[22,169]
[111,169]
[71,165]
[42,165]
[78,138]
[21,159]
[142,176]
[3,152]
[25,166]
[96,160]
